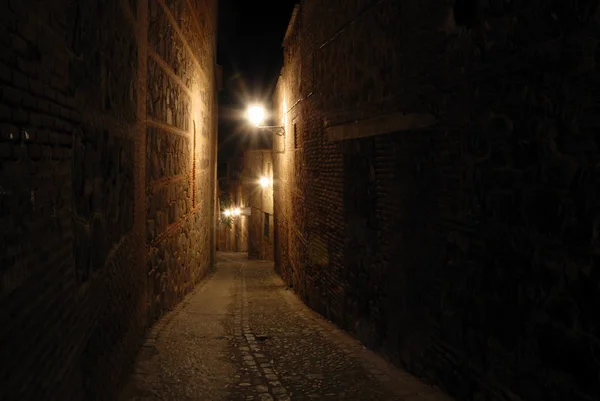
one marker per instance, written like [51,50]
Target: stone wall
[465,250]
[107,151]
[258,164]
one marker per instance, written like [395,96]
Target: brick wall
[107,150]
[258,164]
[466,251]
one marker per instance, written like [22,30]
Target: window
[266,220]
[297,138]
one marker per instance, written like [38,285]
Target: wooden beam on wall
[380,125]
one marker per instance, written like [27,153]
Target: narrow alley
[299,199]
[241,335]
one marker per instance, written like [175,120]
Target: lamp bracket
[277,130]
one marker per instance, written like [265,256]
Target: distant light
[227,213]
[264,182]
[256,114]
[237,211]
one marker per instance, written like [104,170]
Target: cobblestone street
[241,335]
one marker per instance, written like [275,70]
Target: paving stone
[262,389]
[303,362]
[278,390]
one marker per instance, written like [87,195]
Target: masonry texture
[242,336]
[107,171]
[258,164]
[465,250]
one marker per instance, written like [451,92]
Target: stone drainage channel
[241,336]
[260,373]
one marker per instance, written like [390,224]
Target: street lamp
[264,182]
[256,115]
[232,212]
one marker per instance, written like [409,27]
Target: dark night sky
[249,41]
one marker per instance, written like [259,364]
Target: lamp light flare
[237,211]
[264,182]
[256,114]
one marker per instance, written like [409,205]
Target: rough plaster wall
[257,164]
[466,253]
[77,160]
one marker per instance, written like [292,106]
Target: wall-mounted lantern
[265,182]
[256,115]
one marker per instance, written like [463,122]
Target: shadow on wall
[465,251]
[99,219]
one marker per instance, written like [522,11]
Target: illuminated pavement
[242,336]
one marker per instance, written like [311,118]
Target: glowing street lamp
[264,182]
[256,115]
[232,212]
